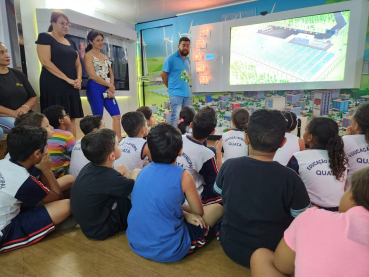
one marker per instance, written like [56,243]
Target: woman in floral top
[100,87]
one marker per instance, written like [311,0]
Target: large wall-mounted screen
[295,50]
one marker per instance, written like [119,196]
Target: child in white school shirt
[78,160]
[134,147]
[356,142]
[323,168]
[233,141]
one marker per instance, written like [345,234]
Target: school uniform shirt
[94,200]
[234,145]
[188,131]
[132,149]
[156,226]
[330,244]
[260,200]
[284,154]
[15,89]
[17,187]
[357,152]
[33,171]
[199,161]
[313,167]
[77,160]
[60,147]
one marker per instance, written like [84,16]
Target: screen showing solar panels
[305,49]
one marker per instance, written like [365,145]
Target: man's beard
[183,53]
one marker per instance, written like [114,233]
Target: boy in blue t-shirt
[160,227]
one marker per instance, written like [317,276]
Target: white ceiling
[137,11]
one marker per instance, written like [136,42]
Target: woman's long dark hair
[325,132]
[54,18]
[187,114]
[90,37]
[361,117]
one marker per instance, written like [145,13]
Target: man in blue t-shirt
[176,76]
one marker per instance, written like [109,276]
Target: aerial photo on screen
[305,49]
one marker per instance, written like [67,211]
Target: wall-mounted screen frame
[355,47]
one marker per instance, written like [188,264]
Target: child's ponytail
[325,130]
[186,116]
[336,154]
[291,119]
[361,117]
[182,126]
[299,127]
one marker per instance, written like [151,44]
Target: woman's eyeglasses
[64,24]
[67,114]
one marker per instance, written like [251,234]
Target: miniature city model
[328,103]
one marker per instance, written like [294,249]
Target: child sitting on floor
[40,120]
[233,141]
[321,243]
[260,197]
[99,198]
[27,147]
[159,227]
[294,143]
[322,168]
[186,116]
[134,147]
[61,145]
[87,124]
[356,141]
[198,159]
[147,112]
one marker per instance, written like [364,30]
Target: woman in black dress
[61,74]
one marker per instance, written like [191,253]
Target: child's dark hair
[164,142]
[53,114]
[361,117]
[89,123]
[292,122]
[147,112]
[98,145]
[132,122]
[29,119]
[360,187]
[186,116]
[240,118]
[326,134]
[204,123]
[23,141]
[90,37]
[266,130]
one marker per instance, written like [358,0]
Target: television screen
[118,58]
[304,49]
